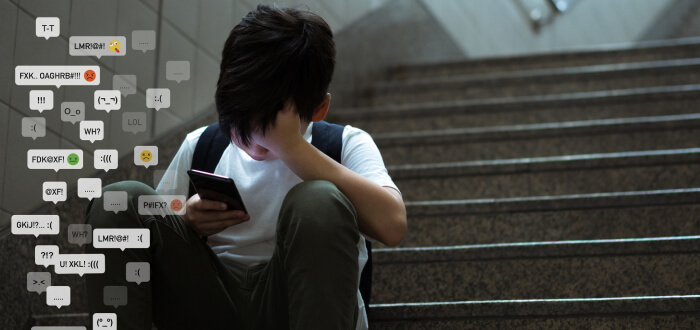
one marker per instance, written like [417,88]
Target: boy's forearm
[381,213]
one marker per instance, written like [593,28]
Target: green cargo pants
[309,283]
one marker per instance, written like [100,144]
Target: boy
[293,261]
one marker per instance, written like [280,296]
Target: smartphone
[218,188]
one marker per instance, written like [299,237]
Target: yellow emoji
[114,46]
[146,156]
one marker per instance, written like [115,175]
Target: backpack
[326,137]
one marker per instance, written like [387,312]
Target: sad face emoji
[146,156]
[114,46]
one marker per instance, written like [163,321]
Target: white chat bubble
[121,238]
[54,159]
[124,83]
[143,40]
[104,321]
[92,130]
[41,100]
[115,201]
[80,233]
[57,75]
[166,181]
[38,281]
[58,296]
[48,27]
[34,127]
[72,111]
[45,255]
[134,122]
[157,98]
[177,70]
[162,205]
[107,100]
[80,264]
[146,156]
[44,224]
[89,188]
[138,272]
[106,159]
[54,191]
[97,46]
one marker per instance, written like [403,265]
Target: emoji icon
[89,75]
[146,156]
[176,205]
[73,159]
[114,46]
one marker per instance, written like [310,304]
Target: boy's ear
[322,109]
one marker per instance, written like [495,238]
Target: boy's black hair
[273,55]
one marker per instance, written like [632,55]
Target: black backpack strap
[210,147]
[328,138]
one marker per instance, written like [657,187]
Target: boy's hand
[207,217]
[286,132]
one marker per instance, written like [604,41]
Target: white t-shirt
[263,186]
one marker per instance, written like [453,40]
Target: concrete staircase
[549,191]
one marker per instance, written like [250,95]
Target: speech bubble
[58,328]
[48,27]
[54,191]
[134,122]
[115,201]
[104,321]
[80,264]
[115,296]
[138,272]
[57,75]
[58,296]
[34,127]
[157,98]
[54,159]
[72,111]
[106,159]
[41,100]
[146,156]
[107,100]
[121,238]
[92,130]
[97,46]
[143,40]
[162,205]
[43,224]
[45,255]
[177,70]
[80,233]
[124,83]
[38,281]
[89,188]
[166,181]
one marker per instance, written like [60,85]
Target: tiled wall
[186,30]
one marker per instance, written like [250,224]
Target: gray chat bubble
[177,70]
[58,328]
[80,234]
[115,201]
[72,111]
[138,272]
[38,281]
[124,83]
[115,296]
[134,122]
[143,40]
[34,127]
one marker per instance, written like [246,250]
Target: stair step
[539,140]
[536,82]
[62,319]
[648,170]
[538,270]
[660,312]
[654,101]
[645,51]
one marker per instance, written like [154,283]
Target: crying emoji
[114,46]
